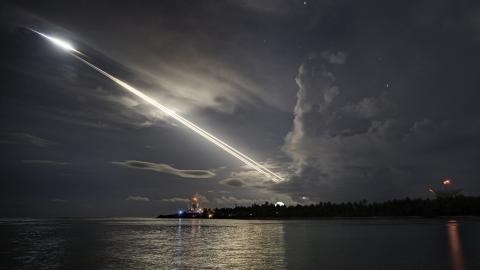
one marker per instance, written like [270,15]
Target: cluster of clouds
[346,145]
[345,141]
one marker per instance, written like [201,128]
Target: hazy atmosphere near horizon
[343,100]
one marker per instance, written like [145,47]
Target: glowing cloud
[219,143]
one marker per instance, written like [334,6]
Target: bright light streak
[58,42]
[219,143]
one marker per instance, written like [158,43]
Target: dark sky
[348,100]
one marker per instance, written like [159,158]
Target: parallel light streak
[219,143]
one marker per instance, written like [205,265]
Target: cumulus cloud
[334,57]
[347,146]
[317,89]
[368,107]
[24,138]
[164,168]
[137,199]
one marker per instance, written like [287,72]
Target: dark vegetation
[454,206]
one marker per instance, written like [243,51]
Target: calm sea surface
[239,244]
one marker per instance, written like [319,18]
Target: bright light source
[446,182]
[180,212]
[216,141]
[279,204]
[65,45]
[61,43]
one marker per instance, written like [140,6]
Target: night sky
[348,100]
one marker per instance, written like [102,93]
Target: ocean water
[239,244]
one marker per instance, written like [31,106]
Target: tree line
[454,206]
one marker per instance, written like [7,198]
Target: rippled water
[239,244]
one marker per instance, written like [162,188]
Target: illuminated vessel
[194,210]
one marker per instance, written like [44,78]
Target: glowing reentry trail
[219,143]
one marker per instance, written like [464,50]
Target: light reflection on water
[246,245]
[455,246]
[194,243]
[238,244]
